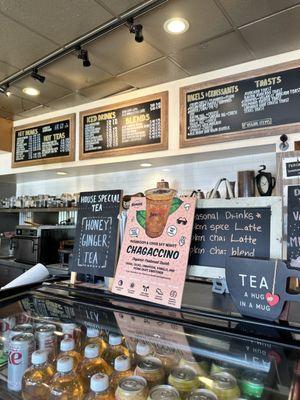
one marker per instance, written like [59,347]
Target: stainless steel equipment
[33,244]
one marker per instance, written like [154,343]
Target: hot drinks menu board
[49,141]
[134,126]
[232,108]
[225,232]
[293,226]
[97,233]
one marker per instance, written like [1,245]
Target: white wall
[183,177]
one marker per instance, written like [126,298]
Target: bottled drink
[100,388]
[132,388]
[91,365]
[73,331]
[65,384]
[67,348]
[122,370]
[142,350]
[93,336]
[151,369]
[20,349]
[115,349]
[47,340]
[35,383]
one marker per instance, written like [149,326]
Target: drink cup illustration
[158,203]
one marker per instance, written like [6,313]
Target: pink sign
[154,256]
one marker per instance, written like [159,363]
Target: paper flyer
[154,255]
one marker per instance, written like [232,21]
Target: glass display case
[147,352]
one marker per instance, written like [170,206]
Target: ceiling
[221,33]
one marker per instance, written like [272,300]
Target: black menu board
[235,107]
[97,233]
[293,169]
[293,228]
[47,142]
[224,232]
[138,125]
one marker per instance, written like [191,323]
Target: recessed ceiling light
[8,93]
[166,170]
[145,165]
[61,173]
[31,91]
[176,26]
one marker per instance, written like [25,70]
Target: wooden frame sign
[253,104]
[45,142]
[134,126]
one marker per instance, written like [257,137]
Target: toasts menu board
[247,105]
[134,126]
[49,141]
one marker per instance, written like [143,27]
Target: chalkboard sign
[97,233]
[134,126]
[50,141]
[233,228]
[234,108]
[293,169]
[293,229]
[258,287]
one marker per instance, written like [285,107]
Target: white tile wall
[183,177]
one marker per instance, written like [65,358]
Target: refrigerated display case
[226,356]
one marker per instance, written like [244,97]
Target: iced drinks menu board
[154,255]
[97,233]
[239,106]
[47,142]
[138,125]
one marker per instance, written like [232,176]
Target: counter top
[54,269]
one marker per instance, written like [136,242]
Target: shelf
[36,210]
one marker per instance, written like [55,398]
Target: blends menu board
[138,125]
[225,232]
[234,108]
[50,141]
[293,226]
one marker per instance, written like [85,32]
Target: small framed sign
[97,233]
[49,141]
[130,127]
[243,227]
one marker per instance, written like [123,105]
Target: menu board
[230,109]
[223,232]
[50,141]
[134,126]
[97,233]
[293,226]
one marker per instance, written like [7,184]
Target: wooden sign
[238,227]
[130,127]
[153,259]
[97,233]
[50,141]
[243,106]
[293,226]
[258,287]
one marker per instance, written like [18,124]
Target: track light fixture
[35,75]
[137,29]
[84,56]
[4,90]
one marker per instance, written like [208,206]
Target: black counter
[10,269]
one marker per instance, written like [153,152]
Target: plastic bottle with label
[36,379]
[67,348]
[91,365]
[122,370]
[93,336]
[115,349]
[142,350]
[100,389]
[65,384]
